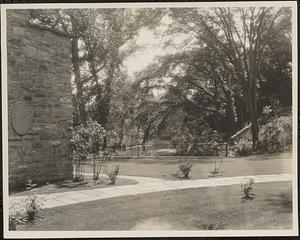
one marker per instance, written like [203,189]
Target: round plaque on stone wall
[20,118]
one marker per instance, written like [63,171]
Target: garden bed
[70,185]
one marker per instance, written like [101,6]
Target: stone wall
[39,74]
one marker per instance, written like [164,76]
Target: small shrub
[20,215]
[17,217]
[270,141]
[247,187]
[185,168]
[79,169]
[113,175]
[100,164]
[275,136]
[86,139]
[33,206]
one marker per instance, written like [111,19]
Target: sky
[151,48]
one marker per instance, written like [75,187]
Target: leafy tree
[229,60]
[276,83]
[196,87]
[239,37]
[105,56]
[100,41]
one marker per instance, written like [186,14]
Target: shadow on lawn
[153,161]
[167,161]
[90,183]
[173,161]
[267,157]
[282,202]
[70,185]
[212,224]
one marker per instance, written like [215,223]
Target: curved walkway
[144,185]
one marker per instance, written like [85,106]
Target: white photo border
[99,234]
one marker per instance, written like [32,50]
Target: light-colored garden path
[144,185]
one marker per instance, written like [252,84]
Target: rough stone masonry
[39,74]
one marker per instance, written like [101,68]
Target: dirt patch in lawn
[212,208]
[70,185]
[154,223]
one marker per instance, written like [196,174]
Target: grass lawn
[188,209]
[165,167]
[70,185]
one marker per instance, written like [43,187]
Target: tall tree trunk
[76,69]
[95,77]
[146,133]
[253,116]
[105,103]
[121,136]
[252,98]
[99,91]
[230,112]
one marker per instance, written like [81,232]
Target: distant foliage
[208,149]
[275,136]
[244,147]
[270,141]
[183,142]
[198,145]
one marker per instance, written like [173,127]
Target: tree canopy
[226,65]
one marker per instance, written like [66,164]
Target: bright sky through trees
[144,56]
[151,46]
